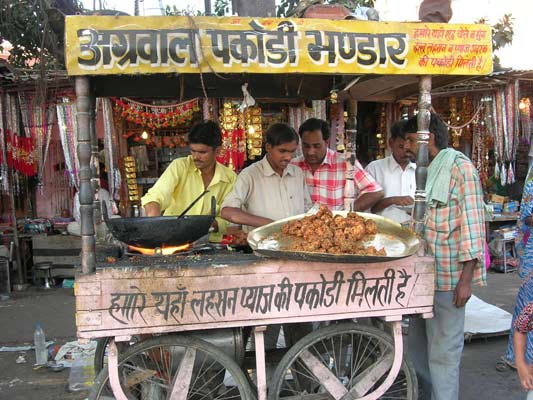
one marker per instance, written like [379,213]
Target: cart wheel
[149,369]
[349,358]
[100,354]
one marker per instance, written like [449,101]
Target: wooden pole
[422,156]
[86,192]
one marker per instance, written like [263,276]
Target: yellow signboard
[149,45]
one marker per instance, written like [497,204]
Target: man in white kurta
[396,175]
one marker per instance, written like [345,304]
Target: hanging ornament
[333,96]
[233,153]
[21,154]
[253,128]
[381,134]
[156,117]
[337,125]
[525,118]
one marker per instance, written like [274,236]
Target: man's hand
[240,217]
[462,293]
[463,290]
[403,200]
[367,200]
[152,209]
[525,374]
[214,226]
[392,201]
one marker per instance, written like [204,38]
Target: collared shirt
[260,191]
[328,183]
[395,181]
[455,232]
[182,182]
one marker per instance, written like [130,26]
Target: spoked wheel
[100,355]
[181,366]
[341,361]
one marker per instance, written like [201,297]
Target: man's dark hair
[436,126]
[397,129]
[280,134]
[315,124]
[206,132]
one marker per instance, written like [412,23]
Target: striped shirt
[327,185]
[455,232]
[524,320]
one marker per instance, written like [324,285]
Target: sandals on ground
[503,365]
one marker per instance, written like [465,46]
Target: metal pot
[153,232]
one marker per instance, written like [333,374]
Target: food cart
[190,315]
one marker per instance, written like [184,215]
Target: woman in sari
[524,249]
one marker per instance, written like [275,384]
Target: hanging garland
[3,161]
[156,117]
[233,152]
[21,154]
[381,134]
[66,119]
[37,121]
[173,141]
[481,143]
[525,118]
[337,125]
[111,152]
[505,132]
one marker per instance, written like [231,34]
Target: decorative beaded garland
[155,117]
[381,134]
[481,142]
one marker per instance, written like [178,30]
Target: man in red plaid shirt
[325,170]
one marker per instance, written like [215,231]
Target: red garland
[153,117]
[233,149]
[21,154]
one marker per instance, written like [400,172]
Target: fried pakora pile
[324,232]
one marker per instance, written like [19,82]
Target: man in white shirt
[396,175]
[270,189]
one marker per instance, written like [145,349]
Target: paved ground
[55,310]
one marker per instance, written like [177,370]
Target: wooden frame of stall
[121,302]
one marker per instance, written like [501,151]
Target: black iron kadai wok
[397,241]
[157,232]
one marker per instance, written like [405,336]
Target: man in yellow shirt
[186,178]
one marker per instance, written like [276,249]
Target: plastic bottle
[41,353]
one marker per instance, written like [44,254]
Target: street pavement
[54,309]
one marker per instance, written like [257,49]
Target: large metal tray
[398,242]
